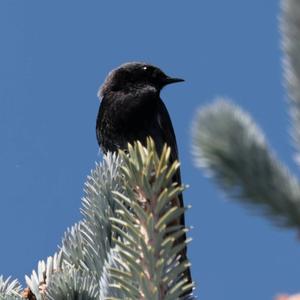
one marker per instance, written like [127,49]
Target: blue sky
[53,57]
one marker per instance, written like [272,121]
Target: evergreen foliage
[231,147]
[234,150]
[125,247]
[9,289]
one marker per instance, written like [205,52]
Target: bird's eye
[147,69]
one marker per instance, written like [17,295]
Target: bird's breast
[129,119]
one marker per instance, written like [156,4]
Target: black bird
[131,109]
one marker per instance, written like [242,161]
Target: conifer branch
[9,289]
[233,149]
[290,33]
[149,250]
[126,246]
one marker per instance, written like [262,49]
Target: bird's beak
[170,80]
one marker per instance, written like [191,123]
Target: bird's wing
[106,135]
[98,123]
[168,135]
[167,131]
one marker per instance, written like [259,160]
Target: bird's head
[136,75]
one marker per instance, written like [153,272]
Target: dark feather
[131,110]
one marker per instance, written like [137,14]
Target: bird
[131,110]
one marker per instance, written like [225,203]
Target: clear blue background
[53,57]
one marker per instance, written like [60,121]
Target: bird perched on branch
[131,109]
